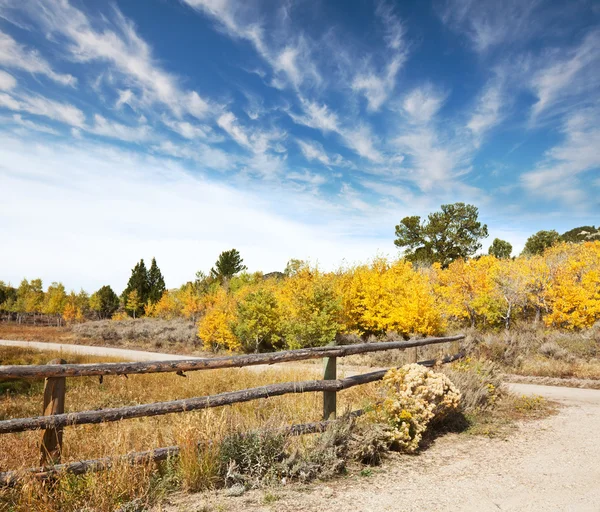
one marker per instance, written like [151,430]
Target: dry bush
[478,382]
[155,332]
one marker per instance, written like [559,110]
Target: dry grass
[177,336]
[196,470]
[15,331]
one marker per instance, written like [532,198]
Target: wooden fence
[54,419]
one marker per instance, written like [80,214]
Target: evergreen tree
[140,283]
[501,249]
[156,283]
[104,302]
[450,234]
[540,241]
[229,263]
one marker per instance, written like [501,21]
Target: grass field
[200,434]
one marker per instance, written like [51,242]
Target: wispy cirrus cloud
[41,106]
[565,167]
[17,56]
[488,23]
[570,76]
[114,41]
[378,86]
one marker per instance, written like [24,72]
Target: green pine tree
[139,282]
[156,282]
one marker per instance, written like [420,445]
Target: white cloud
[489,23]
[187,130]
[488,109]
[241,20]
[377,89]
[257,140]
[115,130]
[570,75]
[314,151]
[40,106]
[558,177]
[362,142]
[229,123]
[378,86]
[109,195]
[118,44]
[30,125]
[206,156]
[7,81]
[349,197]
[15,55]
[423,103]
[316,116]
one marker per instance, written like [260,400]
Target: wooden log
[188,404]
[54,403]
[10,478]
[330,397]
[238,361]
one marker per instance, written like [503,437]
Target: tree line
[439,281]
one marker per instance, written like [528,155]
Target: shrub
[415,397]
[250,458]
[553,350]
[478,382]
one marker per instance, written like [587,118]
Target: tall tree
[140,283]
[104,302]
[227,265]
[540,241]
[156,283]
[501,249]
[450,234]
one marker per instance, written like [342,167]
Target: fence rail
[210,363]
[55,420]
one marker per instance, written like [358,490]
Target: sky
[177,129]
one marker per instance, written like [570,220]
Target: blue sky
[293,129]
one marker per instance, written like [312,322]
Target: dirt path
[547,465]
[121,353]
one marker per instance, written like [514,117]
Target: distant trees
[500,249]
[227,265]
[149,285]
[540,241]
[581,234]
[452,233]
[104,302]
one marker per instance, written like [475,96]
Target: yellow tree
[133,302]
[467,287]
[387,296]
[214,328]
[310,308]
[574,297]
[511,281]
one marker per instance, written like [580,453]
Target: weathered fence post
[329,397]
[54,403]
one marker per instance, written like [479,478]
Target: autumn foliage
[306,306]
